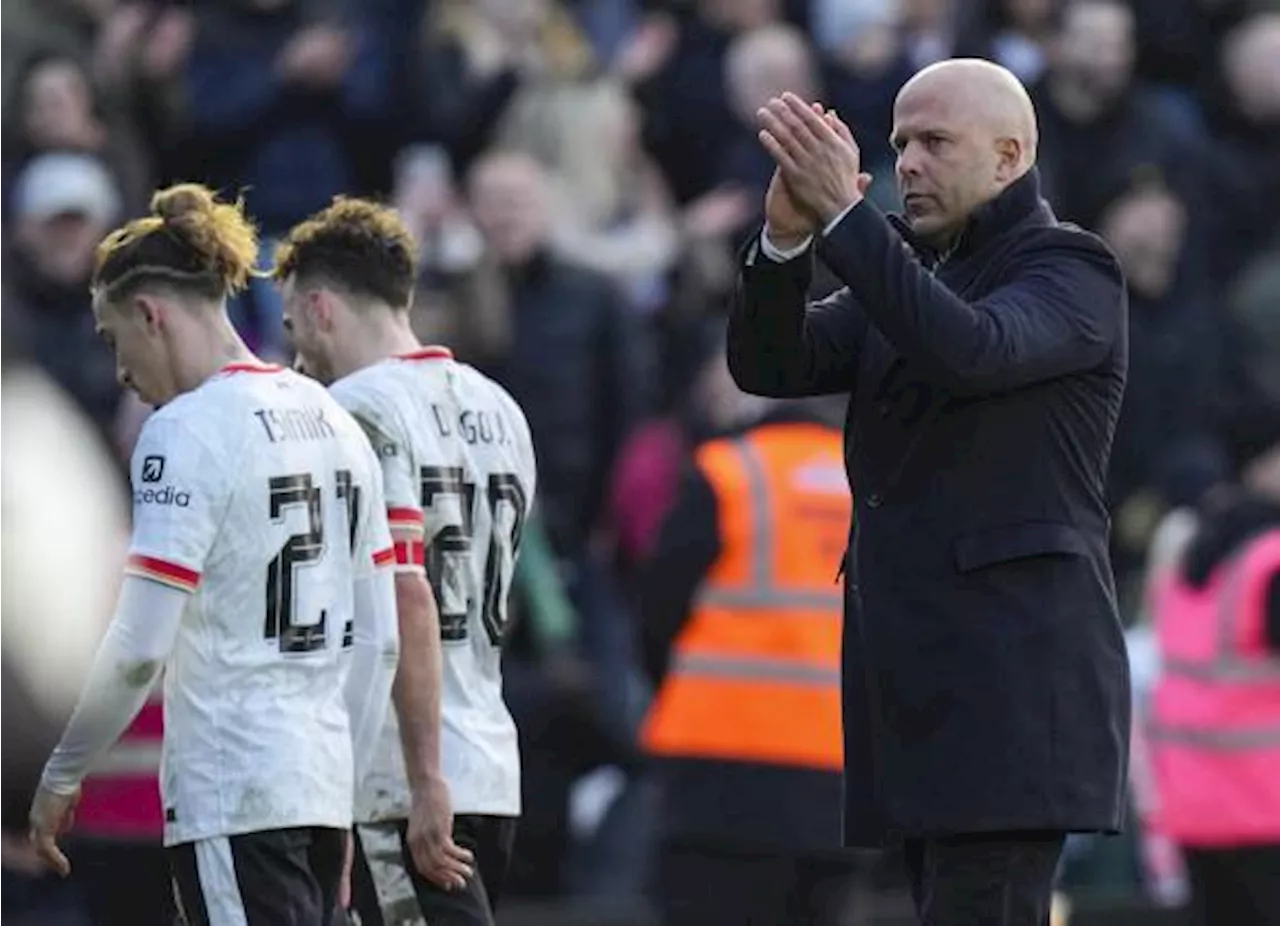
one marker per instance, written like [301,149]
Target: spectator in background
[482,60]
[1014,33]
[688,117]
[276,90]
[53,106]
[760,64]
[612,211]
[116,67]
[928,30]
[1244,180]
[1165,452]
[1214,719]
[741,627]
[1096,127]
[581,405]
[865,63]
[63,205]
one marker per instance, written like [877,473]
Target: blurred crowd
[580,175]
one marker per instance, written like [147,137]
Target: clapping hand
[819,164]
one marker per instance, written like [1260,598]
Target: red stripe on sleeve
[405,516]
[384,557]
[411,553]
[163,571]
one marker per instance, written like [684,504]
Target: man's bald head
[964,129]
[983,94]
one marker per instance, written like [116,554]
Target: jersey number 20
[449,556]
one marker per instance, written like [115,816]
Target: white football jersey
[458,467]
[257,493]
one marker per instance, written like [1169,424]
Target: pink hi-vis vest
[120,799]
[1215,716]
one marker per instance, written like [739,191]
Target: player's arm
[416,692]
[170,543]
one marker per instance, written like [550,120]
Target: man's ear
[320,304]
[1010,153]
[150,313]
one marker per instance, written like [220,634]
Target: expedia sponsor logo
[167,495]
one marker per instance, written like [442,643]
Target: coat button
[874,500]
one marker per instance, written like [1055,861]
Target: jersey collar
[430,352]
[251,366]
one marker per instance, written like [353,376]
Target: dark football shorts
[386,888]
[259,879]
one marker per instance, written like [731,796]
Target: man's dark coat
[986,685]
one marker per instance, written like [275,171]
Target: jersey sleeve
[374,546]
[180,493]
[394,455]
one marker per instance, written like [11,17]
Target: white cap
[52,184]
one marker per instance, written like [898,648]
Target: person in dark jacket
[986,687]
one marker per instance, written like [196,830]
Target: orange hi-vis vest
[1215,714]
[755,673]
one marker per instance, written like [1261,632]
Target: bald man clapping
[983,345]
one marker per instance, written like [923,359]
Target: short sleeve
[180,492]
[399,480]
[374,547]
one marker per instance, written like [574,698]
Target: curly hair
[357,244]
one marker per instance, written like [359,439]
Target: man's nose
[908,163]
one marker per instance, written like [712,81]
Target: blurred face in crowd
[515,18]
[739,15]
[1146,230]
[60,247]
[136,330]
[511,200]
[1251,61]
[58,107]
[963,131]
[764,64]
[1094,50]
[308,323]
[924,14]
[1028,15]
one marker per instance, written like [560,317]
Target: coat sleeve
[782,346]
[1061,314]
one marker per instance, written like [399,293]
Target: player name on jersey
[475,426]
[294,424]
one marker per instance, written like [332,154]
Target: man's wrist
[786,241]
[835,218]
[422,779]
[789,247]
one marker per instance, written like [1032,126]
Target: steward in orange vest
[742,624]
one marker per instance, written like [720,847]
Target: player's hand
[51,817]
[436,856]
